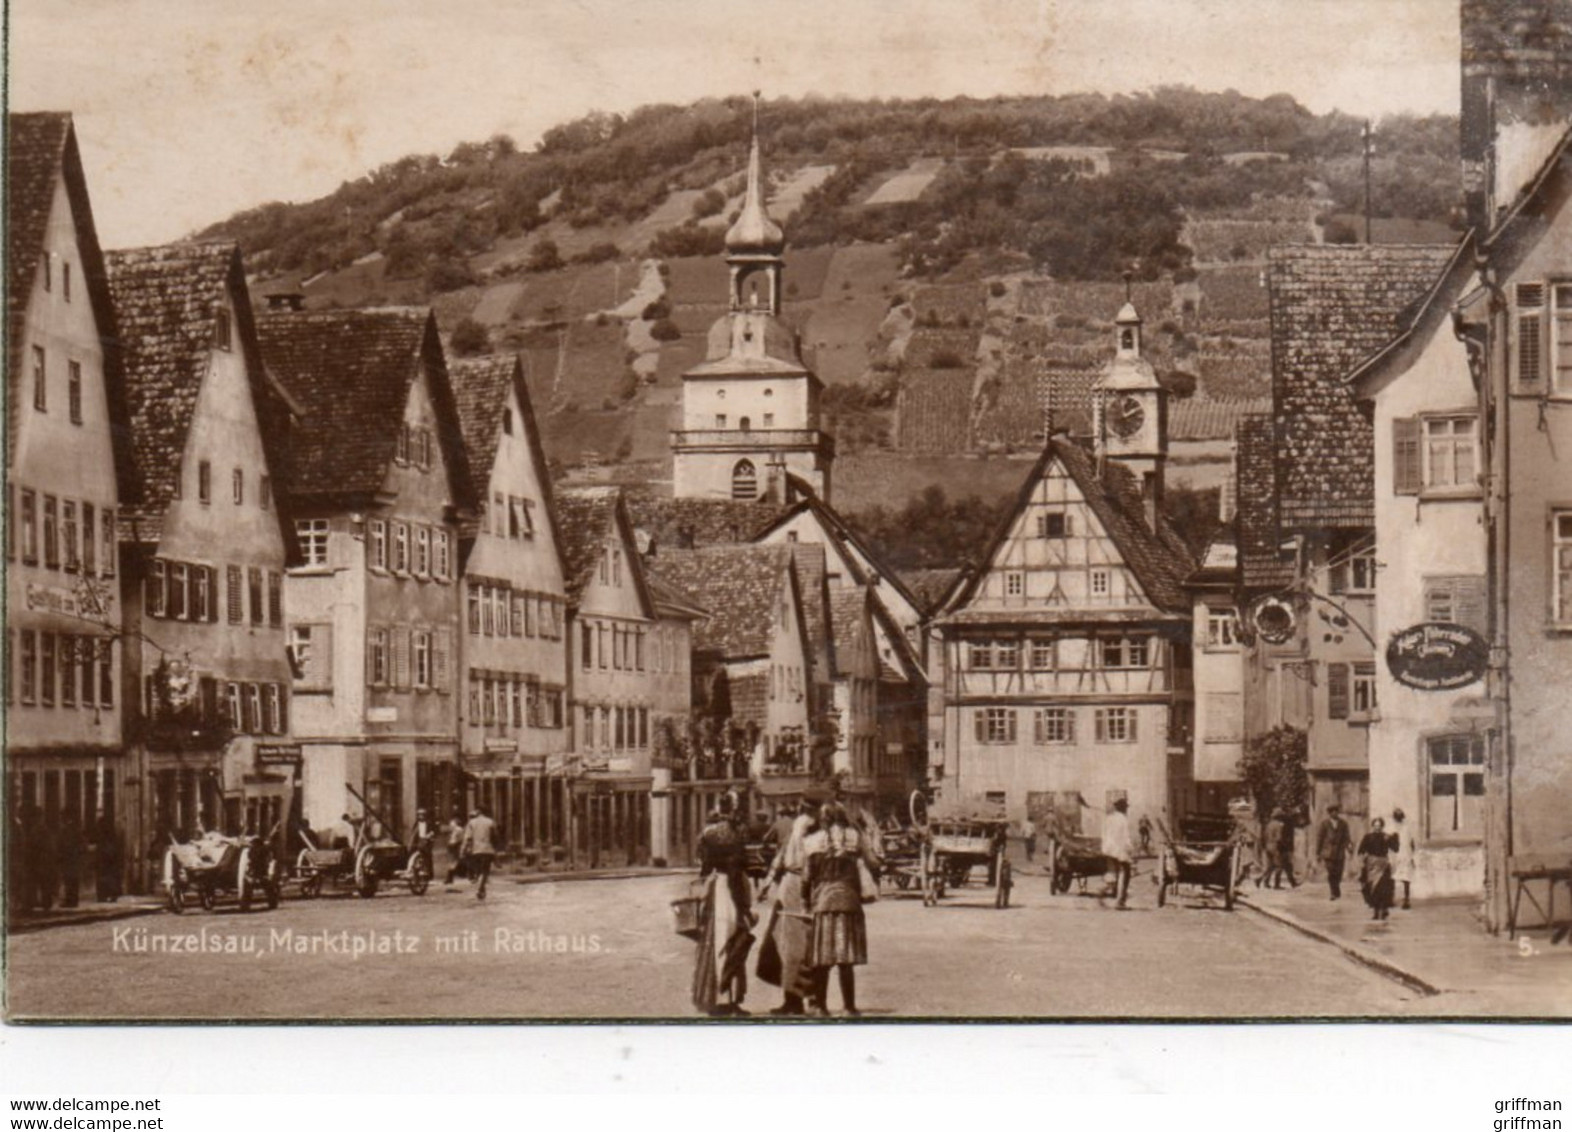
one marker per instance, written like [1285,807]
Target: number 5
[1524,947]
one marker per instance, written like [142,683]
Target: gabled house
[514,663]
[863,753]
[378,484]
[205,549]
[753,663]
[1311,565]
[68,471]
[628,654]
[1429,534]
[1060,670]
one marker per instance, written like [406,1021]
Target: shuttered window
[1407,457]
[1337,691]
[1530,329]
[442,660]
[400,646]
[1457,599]
[234,594]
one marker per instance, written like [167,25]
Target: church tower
[750,410]
[1130,413]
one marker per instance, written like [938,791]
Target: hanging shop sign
[278,754]
[1437,656]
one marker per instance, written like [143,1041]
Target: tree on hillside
[544,256]
[470,338]
[930,531]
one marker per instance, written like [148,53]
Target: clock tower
[1130,412]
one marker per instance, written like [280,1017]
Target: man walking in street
[1332,841]
[1118,848]
[1029,836]
[479,848]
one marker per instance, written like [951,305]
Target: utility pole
[1367,137]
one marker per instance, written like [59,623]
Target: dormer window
[223,330]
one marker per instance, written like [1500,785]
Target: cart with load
[370,860]
[1210,865]
[214,864]
[1074,859]
[958,838]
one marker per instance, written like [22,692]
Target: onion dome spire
[753,232]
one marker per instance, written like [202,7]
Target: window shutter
[1337,691]
[234,595]
[371,656]
[1469,603]
[399,643]
[1407,472]
[1133,718]
[1069,725]
[980,722]
[441,659]
[1530,335]
[1009,724]
[1039,733]
[320,668]
[1100,716]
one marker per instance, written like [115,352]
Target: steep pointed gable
[352,371]
[41,151]
[590,518]
[1257,532]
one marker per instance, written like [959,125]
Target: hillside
[954,266]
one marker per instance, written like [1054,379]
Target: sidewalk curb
[76,919]
[1360,955]
[616,874]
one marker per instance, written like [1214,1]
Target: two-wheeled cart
[365,864]
[214,865]
[957,839]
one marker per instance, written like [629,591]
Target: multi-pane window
[312,534]
[1363,690]
[995,725]
[979,654]
[378,530]
[1044,655]
[1007,655]
[1125,652]
[474,609]
[421,641]
[51,532]
[1014,583]
[1561,337]
[237,484]
[377,658]
[1101,583]
[29,527]
[74,390]
[400,548]
[1561,566]
[275,709]
[1115,725]
[68,533]
[1052,524]
[1457,785]
[275,598]
[401,447]
[1449,453]
[89,540]
[1054,725]
[40,381]
[235,594]
[254,715]
[1222,627]
[439,568]
[422,552]
[201,594]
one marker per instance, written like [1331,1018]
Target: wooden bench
[1522,874]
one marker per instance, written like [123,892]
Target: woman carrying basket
[720,978]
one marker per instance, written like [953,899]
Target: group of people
[1386,859]
[51,859]
[809,909]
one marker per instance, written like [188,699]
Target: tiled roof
[165,300]
[1256,517]
[1159,559]
[39,147]
[929,586]
[813,582]
[739,584]
[587,516]
[698,522]
[849,607]
[1195,419]
[1529,39]
[1332,307]
[352,371]
[673,601]
[480,388]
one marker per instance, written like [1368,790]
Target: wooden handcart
[1212,865]
[957,839]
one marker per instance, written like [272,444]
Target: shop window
[1457,786]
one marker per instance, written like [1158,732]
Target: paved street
[606,949]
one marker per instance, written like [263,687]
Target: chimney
[1516,96]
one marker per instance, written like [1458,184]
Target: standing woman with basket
[720,978]
[839,879]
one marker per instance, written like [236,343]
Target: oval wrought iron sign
[1436,656]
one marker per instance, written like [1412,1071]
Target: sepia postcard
[675,511]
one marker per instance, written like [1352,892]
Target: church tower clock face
[1126,415]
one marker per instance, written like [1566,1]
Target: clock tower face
[1126,416]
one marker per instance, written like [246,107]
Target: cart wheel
[419,878]
[243,884]
[1002,896]
[207,895]
[1162,880]
[175,886]
[365,877]
[1228,890]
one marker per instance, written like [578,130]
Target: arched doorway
[744,480]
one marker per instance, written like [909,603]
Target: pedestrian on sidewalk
[1119,850]
[1403,854]
[1285,850]
[1332,842]
[1029,836]
[107,860]
[479,849]
[455,847]
[1272,838]
[1375,869]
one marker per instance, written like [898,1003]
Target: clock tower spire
[1130,412]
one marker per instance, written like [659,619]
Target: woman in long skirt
[834,893]
[720,978]
[1375,869]
[790,922]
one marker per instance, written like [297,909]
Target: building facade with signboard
[204,550]
[513,660]
[378,485]
[67,470]
[1427,757]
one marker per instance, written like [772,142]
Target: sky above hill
[188,110]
